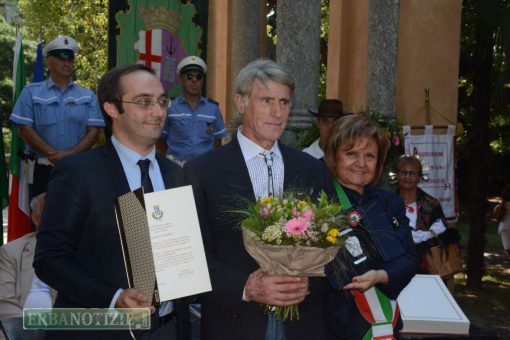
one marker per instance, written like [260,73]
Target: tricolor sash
[380,311]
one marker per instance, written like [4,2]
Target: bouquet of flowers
[292,235]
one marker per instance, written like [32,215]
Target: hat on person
[62,47]
[330,108]
[191,63]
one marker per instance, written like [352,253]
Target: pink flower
[296,226]
[308,215]
[396,140]
[265,212]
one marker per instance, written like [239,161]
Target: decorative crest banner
[438,152]
[159,34]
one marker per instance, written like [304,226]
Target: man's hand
[368,280]
[277,290]
[56,156]
[132,298]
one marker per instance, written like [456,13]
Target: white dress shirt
[314,150]
[257,168]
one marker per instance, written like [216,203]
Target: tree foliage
[484,110]
[7,41]
[84,20]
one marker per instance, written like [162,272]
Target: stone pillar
[244,38]
[382,55]
[298,50]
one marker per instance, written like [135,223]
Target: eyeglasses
[192,76]
[408,173]
[146,104]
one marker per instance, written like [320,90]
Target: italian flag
[19,209]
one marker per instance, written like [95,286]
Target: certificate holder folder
[136,244]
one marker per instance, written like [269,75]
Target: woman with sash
[380,259]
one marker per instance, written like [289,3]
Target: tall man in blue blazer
[228,178]
[78,247]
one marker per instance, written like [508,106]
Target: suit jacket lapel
[169,177]
[235,172]
[114,167]
[27,271]
[290,172]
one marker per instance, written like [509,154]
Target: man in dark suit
[228,178]
[78,248]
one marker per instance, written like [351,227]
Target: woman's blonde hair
[347,131]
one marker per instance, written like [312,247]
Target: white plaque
[427,307]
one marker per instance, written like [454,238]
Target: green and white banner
[159,34]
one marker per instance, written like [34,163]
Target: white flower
[324,227]
[272,233]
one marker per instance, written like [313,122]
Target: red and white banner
[161,50]
[438,152]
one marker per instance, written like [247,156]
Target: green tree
[7,41]
[84,20]
[484,111]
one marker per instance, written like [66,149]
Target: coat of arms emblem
[157,213]
[159,46]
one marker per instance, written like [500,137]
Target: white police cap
[62,42]
[191,63]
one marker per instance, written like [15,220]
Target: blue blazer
[221,184]
[388,244]
[78,250]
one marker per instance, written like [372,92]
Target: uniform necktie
[145,179]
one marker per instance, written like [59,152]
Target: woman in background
[426,217]
[503,217]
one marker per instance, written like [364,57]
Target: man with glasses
[56,117]
[78,247]
[194,125]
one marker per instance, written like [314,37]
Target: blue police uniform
[59,117]
[190,133]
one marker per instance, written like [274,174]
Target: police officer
[56,117]
[194,124]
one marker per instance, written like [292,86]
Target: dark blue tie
[146,180]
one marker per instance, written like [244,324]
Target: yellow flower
[333,233]
[302,203]
[331,239]
[266,200]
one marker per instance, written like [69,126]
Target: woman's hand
[368,280]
